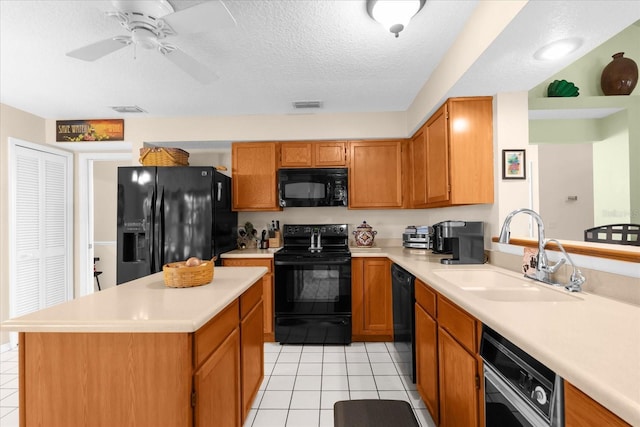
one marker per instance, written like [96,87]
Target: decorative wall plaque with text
[89,130]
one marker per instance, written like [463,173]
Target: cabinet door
[471,150]
[254,176]
[426,348]
[372,309]
[375,174]
[296,154]
[459,382]
[330,153]
[252,354]
[437,155]
[582,411]
[217,386]
[418,178]
[267,288]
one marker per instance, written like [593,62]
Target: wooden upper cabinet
[330,153]
[375,174]
[436,155]
[418,176]
[452,155]
[254,173]
[471,150]
[313,154]
[296,155]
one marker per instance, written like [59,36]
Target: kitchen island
[143,354]
[591,341]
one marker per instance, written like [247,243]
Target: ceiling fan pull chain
[135,51]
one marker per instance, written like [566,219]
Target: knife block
[276,242]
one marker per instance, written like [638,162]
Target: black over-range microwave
[312,187]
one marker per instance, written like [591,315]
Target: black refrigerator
[168,214]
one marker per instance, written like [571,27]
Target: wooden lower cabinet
[426,349]
[105,379]
[252,356]
[371,300]
[582,411]
[267,289]
[205,378]
[448,364]
[458,381]
[217,386]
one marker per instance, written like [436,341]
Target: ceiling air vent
[128,109]
[300,105]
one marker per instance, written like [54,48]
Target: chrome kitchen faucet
[543,270]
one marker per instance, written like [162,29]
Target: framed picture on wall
[514,164]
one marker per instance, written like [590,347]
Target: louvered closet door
[41,274]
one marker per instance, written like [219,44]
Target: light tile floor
[9,388]
[301,383]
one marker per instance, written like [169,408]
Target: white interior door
[41,227]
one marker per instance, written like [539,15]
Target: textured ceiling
[280,51]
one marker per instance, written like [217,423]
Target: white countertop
[143,305]
[250,253]
[592,342]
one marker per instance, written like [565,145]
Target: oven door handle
[525,410]
[314,261]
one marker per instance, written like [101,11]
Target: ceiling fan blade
[189,65]
[204,17]
[99,49]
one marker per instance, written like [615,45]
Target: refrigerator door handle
[219,195]
[159,231]
[149,228]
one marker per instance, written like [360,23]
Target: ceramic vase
[620,76]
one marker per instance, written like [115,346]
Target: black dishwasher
[403,295]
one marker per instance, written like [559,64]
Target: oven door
[504,407]
[313,286]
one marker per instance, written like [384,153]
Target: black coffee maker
[463,239]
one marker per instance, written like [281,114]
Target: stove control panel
[301,230]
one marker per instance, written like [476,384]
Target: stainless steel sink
[499,286]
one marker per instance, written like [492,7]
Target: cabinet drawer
[213,333]
[250,298]
[426,298]
[248,262]
[458,323]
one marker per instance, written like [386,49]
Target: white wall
[389,224]
[612,202]
[511,118]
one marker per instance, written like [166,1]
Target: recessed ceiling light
[558,49]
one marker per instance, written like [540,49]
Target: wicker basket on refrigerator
[160,156]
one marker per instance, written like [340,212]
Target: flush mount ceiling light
[394,15]
[557,49]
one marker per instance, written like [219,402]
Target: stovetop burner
[315,241]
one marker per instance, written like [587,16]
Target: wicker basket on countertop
[159,156]
[178,275]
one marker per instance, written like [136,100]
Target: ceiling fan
[152,22]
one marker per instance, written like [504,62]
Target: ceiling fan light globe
[394,15]
[144,38]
